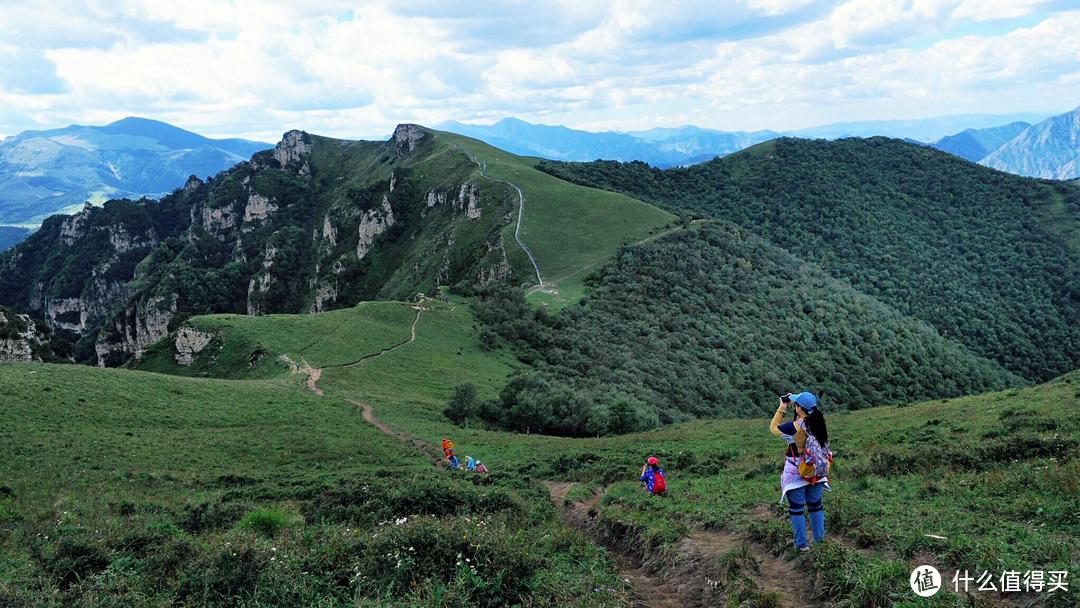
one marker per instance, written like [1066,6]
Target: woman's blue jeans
[808,498]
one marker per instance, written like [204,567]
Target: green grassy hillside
[985,257]
[566,226]
[128,488]
[216,467]
[251,347]
[994,475]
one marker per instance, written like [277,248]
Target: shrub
[264,522]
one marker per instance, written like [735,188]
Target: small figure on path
[653,477]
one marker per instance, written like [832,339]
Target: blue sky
[348,69]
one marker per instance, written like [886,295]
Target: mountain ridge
[314,223]
[922,230]
[977,144]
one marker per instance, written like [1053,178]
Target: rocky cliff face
[288,231]
[134,329]
[408,137]
[90,263]
[373,223]
[22,340]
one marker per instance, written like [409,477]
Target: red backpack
[659,485]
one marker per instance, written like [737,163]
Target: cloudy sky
[255,69]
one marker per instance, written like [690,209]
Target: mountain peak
[294,146]
[408,135]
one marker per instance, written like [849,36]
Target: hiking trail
[482,165]
[692,577]
[366,411]
[521,214]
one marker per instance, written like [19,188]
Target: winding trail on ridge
[366,411]
[521,214]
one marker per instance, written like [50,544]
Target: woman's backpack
[816,460]
[659,485]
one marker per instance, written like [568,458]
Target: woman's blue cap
[806,400]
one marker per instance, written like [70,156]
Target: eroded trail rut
[693,576]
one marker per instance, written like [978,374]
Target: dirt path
[521,214]
[695,576]
[366,411]
[647,590]
[412,338]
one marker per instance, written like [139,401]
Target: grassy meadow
[125,487]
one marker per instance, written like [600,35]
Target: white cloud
[256,68]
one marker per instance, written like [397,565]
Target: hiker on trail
[470,463]
[453,461]
[480,468]
[447,447]
[806,466]
[653,477]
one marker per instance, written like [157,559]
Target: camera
[786,398]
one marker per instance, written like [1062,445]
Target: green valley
[158,478]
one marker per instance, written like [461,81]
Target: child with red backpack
[653,477]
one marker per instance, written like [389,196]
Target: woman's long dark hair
[815,425]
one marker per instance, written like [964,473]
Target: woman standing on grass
[806,468]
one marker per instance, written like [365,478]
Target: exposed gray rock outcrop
[467,199]
[294,148]
[74,227]
[137,328]
[260,283]
[373,223]
[21,338]
[189,342]
[258,208]
[408,136]
[192,184]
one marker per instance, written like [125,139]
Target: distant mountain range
[1049,149]
[47,172]
[977,144]
[659,147]
[688,145]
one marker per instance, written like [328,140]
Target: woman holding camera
[806,466]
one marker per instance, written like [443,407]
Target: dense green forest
[712,322]
[985,257]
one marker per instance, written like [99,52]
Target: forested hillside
[987,258]
[711,323]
